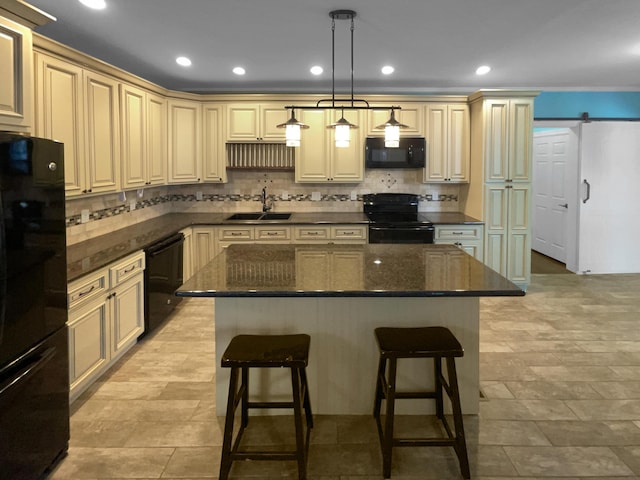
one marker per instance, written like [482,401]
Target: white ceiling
[435,45]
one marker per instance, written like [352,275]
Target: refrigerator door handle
[28,371]
[587,191]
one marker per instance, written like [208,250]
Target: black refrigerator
[34,371]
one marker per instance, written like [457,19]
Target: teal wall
[597,104]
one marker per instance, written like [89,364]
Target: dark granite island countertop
[338,294]
[371,270]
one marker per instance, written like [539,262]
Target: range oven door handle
[403,229]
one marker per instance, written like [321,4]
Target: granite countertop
[90,255]
[371,270]
[450,218]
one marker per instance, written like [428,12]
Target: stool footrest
[269,404]
[264,455]
[415,395]
[423,442]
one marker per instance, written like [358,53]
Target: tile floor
[560,376]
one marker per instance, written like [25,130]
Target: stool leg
[306,402]
[377,403]
[461,444]
[388,428]
[225,461]
[297,417]
[437,373]
[245,397]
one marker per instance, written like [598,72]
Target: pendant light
[292,132]
[392,131]
[342,126]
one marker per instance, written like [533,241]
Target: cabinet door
[437,143]
[187,254]
[496,228]
[16,77]
[347,164]
[133,157]
[214,155]
[89,351]
[204,243]
[519,239]
[59,115]
[458,147]
[312,157]
[157,131]
[520,139]
[102,138]
[243,122]
[410,114]
[272,115]
[185,150]
[128,314]
[496,144]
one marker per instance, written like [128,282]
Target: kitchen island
[338,294]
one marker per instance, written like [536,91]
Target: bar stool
[421,342]
[266,351]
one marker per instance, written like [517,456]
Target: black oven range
[394,218]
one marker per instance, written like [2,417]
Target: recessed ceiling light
[183,61]
[388,70]
[95,4]
[239,71]
[483,70]
[316,70]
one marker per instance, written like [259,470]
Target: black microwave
[409,154]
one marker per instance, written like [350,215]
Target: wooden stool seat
[421,342]
[266,351]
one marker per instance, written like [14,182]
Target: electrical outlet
[199,196]
[84,216]
[132,205]
[285,195]
[315,196]
[354,195]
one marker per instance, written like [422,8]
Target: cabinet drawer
[126,269]
[273,233]
[349,232]
[459,232]
[311,233]
[84,289]
[236,233]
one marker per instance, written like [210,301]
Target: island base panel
[343,357]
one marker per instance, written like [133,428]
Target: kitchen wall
[242,193]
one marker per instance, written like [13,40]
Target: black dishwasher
[162,277]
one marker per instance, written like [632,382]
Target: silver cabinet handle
[588,192]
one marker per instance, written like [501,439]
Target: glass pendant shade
[292,135]
[392,136]
[292,132]
[342,136]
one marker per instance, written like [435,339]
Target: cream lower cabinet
[204,245]
[187,254]
[319,270]
[357,234]
[448,143]
[508,231]
[106,316]
[469,238]
[319,160]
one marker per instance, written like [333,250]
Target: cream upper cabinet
[410,114]
[508,139]
[185,141]
[60,115]
[134,145]
[102,141]
[252,122]
[144,138]
[16,77]
[448,143]
[319,160]
[157,128]
[214,154]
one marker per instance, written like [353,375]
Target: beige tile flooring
[560,376]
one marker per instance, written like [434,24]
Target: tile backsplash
[113,211]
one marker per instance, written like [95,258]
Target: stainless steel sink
[275,216]
[245,216]
[259,216]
